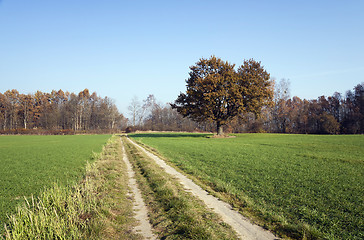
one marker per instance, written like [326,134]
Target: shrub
[129,129]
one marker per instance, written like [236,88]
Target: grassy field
[97,207]
[29,164]
[303,186]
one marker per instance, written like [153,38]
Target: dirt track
[141,214]
[244,228]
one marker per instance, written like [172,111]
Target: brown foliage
[57,113]
[217,92]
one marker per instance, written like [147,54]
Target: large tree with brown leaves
[217,92]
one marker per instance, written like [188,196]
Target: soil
[221,136]
[243,227]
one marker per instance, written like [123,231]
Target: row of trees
[246,97]
[58,110]
[337,114]
[84,111]
[325,115]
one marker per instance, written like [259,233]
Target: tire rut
[141,213]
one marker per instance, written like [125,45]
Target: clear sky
[123,49]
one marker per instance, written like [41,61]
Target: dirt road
[141,213]
[244,228]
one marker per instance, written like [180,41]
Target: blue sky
[123,49]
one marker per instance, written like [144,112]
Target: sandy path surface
[141,213]
[244,228]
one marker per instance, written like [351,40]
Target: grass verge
[174,213]
[96,208]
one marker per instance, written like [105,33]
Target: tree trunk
[219,129]
[5,119]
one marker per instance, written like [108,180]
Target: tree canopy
[217,92]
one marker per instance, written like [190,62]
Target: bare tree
[280,109]
[135,110]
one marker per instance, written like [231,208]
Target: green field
[302,185]
[31,163]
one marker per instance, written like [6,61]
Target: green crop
[29,164]
[97,207]
[302,186]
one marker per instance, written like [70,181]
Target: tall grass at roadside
[302,186]
[61,212]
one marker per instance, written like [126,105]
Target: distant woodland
[57,112]
[336,114]
[61,112]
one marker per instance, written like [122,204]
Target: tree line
[246,99]
[58,111]
[61,112]
[336,114]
